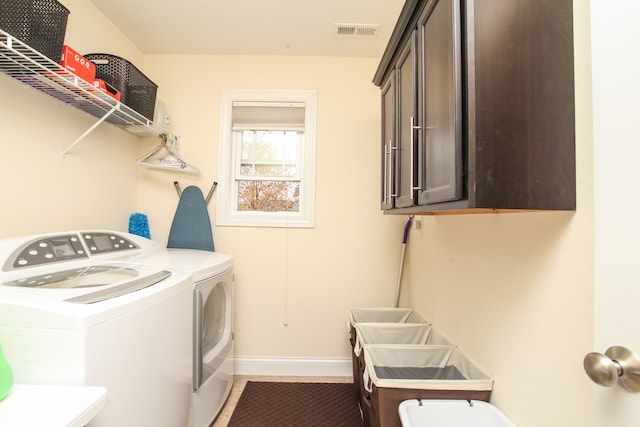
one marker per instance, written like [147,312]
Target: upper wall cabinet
[478,107]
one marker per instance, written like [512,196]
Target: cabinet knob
[617,365]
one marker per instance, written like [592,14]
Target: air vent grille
[357,30]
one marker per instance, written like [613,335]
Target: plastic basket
[41,24]
[137,91]
[453,413]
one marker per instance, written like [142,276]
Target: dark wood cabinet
[406,110]
[478,107]
[440,134]
[388,91]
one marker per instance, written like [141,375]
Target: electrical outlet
[417,226]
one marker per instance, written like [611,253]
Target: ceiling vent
[357,30]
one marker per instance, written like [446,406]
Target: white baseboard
[299,367]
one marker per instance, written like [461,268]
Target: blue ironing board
[191,227]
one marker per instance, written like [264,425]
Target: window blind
[268,115]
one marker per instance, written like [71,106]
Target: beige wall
[515,291]
[95,186]
[304,278]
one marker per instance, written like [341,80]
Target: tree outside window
[269,156]
[268,178]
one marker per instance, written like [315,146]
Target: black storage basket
[136,90]
[41,24]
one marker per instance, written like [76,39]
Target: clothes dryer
[69,315]
[212,321]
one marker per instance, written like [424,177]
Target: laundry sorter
[397,355]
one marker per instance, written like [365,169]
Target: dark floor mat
[276,404]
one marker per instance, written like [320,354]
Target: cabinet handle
[392,183]
[387,173]
[414,127]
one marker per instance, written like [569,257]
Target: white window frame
[226,212]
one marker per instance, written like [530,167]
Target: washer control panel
[100,242]
[65,247]
[49,249]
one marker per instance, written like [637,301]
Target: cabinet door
[389,142]
[440,145]
[406,81]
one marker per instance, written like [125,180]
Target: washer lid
[92,276]
[123,289]
[81,308]
[81,277]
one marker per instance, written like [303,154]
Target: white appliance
[71,315]
[212,323]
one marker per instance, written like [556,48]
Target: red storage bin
[108,89]
[78,64]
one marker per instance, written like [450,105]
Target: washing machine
[70,314]
[212,322]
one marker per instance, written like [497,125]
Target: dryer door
[212,331]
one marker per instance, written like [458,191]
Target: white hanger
[164,157]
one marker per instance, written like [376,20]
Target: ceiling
[255,27]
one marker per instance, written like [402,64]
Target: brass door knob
[617,365]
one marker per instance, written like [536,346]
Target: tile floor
[241,380]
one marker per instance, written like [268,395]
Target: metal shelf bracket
[91,129]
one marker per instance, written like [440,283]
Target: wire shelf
[30,67]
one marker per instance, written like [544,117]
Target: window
[267,159]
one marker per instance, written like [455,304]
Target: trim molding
[286,366]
